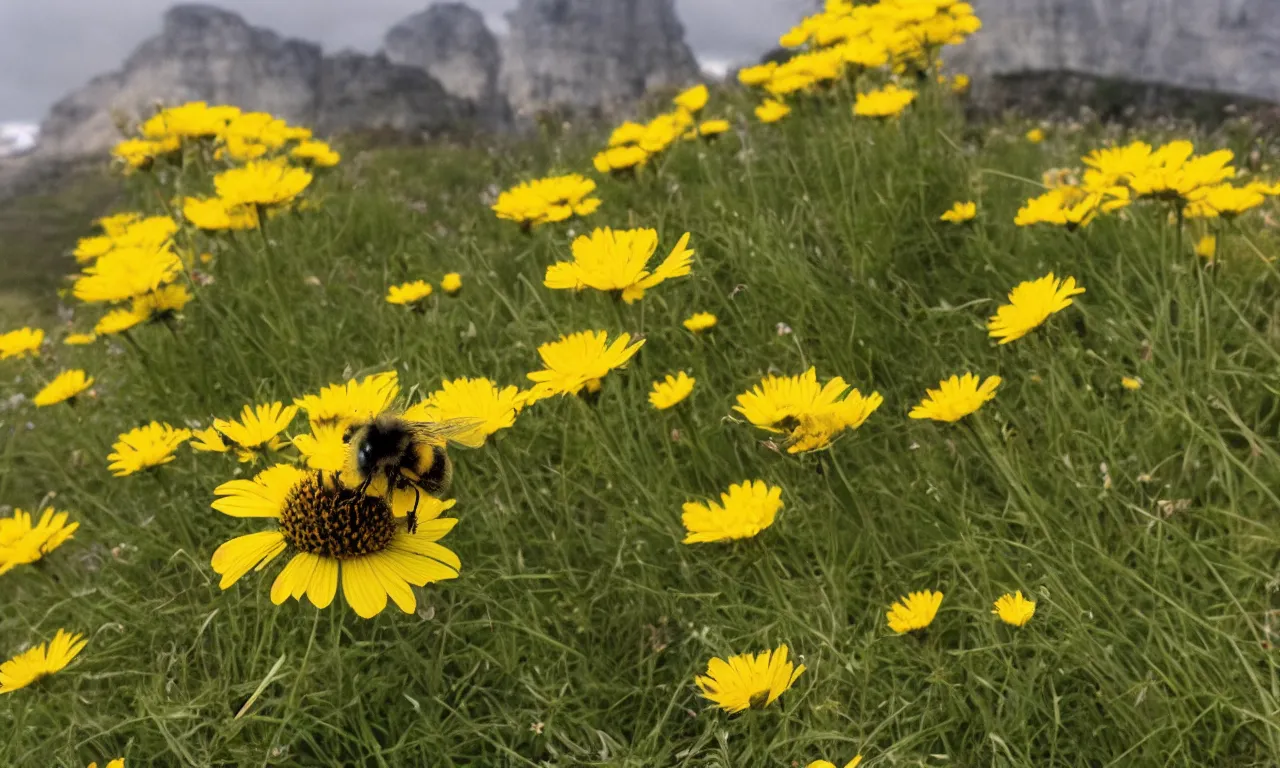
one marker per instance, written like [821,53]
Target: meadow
[1124,476]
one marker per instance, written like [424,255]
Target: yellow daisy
[408,293]
[1030,304]
[1174,173]
[90,248]
[325,449]
[854,763]
[139,154]
[451,283]
[888,101]
[667,393]
[573,361]
[258,429]
[20,343]
[548,200]
[627,133]
[262,183]
[118,321]
[354,400]
[208,440]
[1221,200]
[117,763]
[79,339]
[1131,383]
[1207,247]
[960,213]
[162,303]
[335,534]
[745,510]
[192,120]
[915,611]
[746,681]
[771,111]
[145,447]
[126,272]
[22,542]
[618,160]
[812,415]
[41,661]
[117,224]
[1035,136]
[477,400]
[700,321]
[64,387]
[692,99]
[708,129]
[317,153]
[215,214]
[955,398]
[617,261]
[1014,609]
[758,74]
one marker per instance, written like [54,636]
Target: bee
[407,454]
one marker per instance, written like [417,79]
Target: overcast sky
[49,47]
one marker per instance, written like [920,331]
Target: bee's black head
[365,458]
[380,441]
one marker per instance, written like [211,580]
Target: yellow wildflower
[955,398]
[1030,304]
[666,394]
[40,661]
[145,447]
[574,361]
[1015,609]
[64,387]
[961,212]
[888,101]
[746,681]
[915,611]
[609,260]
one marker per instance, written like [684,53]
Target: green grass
[37,233]
[1144,523]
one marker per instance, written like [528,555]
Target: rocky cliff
[1230,46]
[592,54]
[440,68]
[204,53]
[452,43]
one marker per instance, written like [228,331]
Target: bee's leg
[363,488]
[412,520]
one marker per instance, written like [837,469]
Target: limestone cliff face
[201,53]
[356,91]
[452,43]
[1231,46]
[204,53]
[592,54]
[440,68]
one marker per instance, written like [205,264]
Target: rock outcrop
[452,43]
[359,92]
[205,53]
[592,54]
[1227,46]
[441,68]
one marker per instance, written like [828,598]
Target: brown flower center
[333,521]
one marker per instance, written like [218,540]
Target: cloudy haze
[48,47]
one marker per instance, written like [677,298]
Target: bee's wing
[464,431]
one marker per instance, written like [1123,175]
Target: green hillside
[1123,477]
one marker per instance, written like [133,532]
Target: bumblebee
[407,454]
